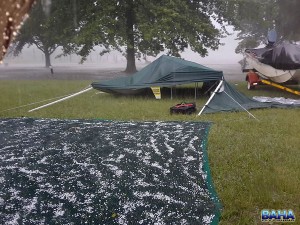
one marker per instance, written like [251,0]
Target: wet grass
[255,164]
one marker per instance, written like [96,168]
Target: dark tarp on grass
[228,99]
[165,71]
[105,172]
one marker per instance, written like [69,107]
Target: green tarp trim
[228,99]
[105,172]
[166,71]
[209,181]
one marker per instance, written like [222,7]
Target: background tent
[166,71]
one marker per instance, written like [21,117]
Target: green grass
[254,164]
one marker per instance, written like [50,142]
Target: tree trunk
[47,59]
[130,68]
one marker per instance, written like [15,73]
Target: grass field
[255,165]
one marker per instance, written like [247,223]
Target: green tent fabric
[105,172]
[166,71]
[228,99]
[169,71]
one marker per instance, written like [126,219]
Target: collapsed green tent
[166,71]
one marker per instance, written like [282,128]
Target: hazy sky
[224,55]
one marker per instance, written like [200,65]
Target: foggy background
[224,59]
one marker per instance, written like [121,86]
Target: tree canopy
[142,27]
[288,19]
[253,19]
[46,31]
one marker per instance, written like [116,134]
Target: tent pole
[211,97]
[241,106]
[60,100]
[195,91]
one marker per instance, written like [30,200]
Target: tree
[142,27]
[253,19]
[287,21]
[46,32]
